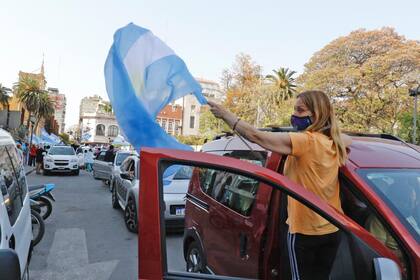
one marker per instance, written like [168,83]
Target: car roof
[366,151]
[370,152]
[5,137]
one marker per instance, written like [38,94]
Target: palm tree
[107,107]
[28,91]
[284,83]
[45,108]
[4,102]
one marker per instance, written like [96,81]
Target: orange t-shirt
[314,165]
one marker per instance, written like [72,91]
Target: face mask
[300,123]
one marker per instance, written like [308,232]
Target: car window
[120,158]
[18,169]
[101,156]
[220,241]
[125,164]
[67,151]
[11,190]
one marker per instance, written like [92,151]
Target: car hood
[62,157]
[176,186]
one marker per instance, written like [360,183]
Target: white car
[15,217]
[61,159]
[125,193]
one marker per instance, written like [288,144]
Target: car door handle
[243,243]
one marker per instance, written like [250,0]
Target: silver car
[104,170]
[125,194]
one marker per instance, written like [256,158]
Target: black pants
[312,256]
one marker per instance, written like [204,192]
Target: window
[235,191]
[101,156]
[100,130]
[11,190]
[177,127]
[67,151]
[164,124]
[192,121]
[19,170]
[113,131]
[170,127]
[193,109]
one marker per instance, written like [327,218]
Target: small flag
[142,76]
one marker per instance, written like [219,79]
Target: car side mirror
[126,176]
[386,269]
[9,264]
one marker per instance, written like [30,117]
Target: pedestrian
[315,153]
[25,152]
[110,154]
[19,151]
[39,158]
[32,155]
[88,158]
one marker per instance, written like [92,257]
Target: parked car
[15,217]
[236,211]
[125,194]
[104,170]
[61,158]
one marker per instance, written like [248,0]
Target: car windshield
[400,189]
[67,151]
[120,158]
[184,173]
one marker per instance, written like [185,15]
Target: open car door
[360,255]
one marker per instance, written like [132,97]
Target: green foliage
[406,127]
[4,96]
[210,126]
[367,75]
[191,139]
[65,138]
[283,83]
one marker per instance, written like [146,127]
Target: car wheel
[114,197]
[195,258]
[130,216]
[46,172]
[76,172]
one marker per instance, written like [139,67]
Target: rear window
[65,151]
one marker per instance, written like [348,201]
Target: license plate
[180,211]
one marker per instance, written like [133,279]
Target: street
[85,238]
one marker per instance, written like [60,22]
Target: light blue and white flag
[49,138]
[142,76]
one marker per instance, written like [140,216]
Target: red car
[236,212]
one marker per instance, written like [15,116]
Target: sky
[74,36]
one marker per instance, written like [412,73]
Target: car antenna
[258,155]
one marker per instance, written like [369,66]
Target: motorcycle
[42,194]
[38,225]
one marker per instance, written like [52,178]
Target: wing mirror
[127,176]
[9,264]
[386,269]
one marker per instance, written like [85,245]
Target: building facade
[170,119]
[192,108]
[97,123]
[60,103]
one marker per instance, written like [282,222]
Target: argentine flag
[142,76]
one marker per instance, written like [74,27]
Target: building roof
[369,152]
[171,112]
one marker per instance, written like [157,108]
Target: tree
[4,102]
[367,75]
[283,83]
[45,108]
[29,91]
[210,126]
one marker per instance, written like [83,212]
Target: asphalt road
[86,238]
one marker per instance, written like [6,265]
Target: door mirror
[386,269]
[127,176]
[9,264]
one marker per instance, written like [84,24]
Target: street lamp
[414,93]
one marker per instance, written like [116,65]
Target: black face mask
[300,123]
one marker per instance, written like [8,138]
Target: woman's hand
[217,110]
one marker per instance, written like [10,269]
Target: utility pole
[415,93]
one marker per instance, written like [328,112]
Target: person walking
[39,158]
[316,151]
[110,154]
[88,158]
[25,152]
[32,155]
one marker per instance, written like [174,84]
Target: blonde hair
[324,119]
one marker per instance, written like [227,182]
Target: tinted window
[124,165]
[120,158]
[184,173]
[18,168]
[9,186]
[67,151]
[101,156]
